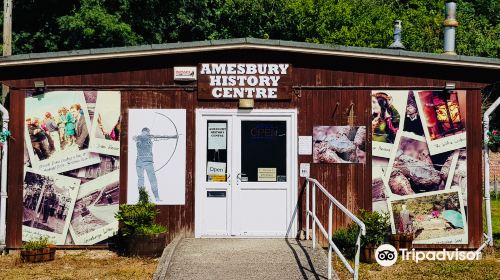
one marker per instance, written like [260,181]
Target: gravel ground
[247,259]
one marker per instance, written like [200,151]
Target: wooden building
[308,99]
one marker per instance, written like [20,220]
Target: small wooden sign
[232,81]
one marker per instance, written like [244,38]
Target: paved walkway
[246,259]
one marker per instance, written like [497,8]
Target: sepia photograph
[48,202]
[339,144]
[93,217]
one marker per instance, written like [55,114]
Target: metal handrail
[316,222]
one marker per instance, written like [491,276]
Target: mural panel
[419,163]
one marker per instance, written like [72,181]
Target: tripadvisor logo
[387,255]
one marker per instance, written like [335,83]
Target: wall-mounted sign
[305,170]
[185,73]
[217,136]
[305,145]
[270,81]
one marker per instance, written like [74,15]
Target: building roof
[249,44]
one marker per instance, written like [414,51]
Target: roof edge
[248,43]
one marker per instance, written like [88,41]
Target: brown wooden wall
[349,183]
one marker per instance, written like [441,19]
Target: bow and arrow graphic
[145,162]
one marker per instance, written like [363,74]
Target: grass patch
[486,268]
[495,218]
[96,264]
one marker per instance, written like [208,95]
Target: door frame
[199,177]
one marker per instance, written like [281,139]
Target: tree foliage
[51,25]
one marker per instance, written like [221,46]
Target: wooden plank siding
[349,183]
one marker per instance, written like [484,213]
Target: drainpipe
[450,24]
[398,29]
[487,202]
[3,181]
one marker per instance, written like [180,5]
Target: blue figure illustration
[145,162]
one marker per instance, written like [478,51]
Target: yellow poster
[266,174]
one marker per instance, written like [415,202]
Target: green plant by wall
[377,227]
[37,244]
[139,219]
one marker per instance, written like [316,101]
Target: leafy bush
[345,240]
[139,219]
[377,227]
[37,244]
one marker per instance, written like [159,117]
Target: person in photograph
[114,133]
[413,123]
[38,139]
[69,128]
[385,118]
[49,201]
[81,131]
[61,123]
[145,162]
[52,130]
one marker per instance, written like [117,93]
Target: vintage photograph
[339,144]
[431,218]
[107,164]
[388,109]
[93,217]
[443,118]
[413,170]
[379,189]
[412,120]
[48,202]
[459,175]
[57,131]
[105,133]
[157,155]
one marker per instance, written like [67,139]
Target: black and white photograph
[93,217]
[339,144]
[48,201]
[157,155]
[106,124]
[57,126]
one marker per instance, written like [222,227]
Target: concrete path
[246,259]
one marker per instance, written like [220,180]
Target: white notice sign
[216,168]
[305,145]
[305,169]
[217,136]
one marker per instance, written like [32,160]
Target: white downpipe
[487,202]
[3,182]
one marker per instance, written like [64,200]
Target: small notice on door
[305,145]
[216,171]
[266,174]
[217,136]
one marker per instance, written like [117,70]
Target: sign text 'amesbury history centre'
[270,81]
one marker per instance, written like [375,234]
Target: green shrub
[37,244]
[345,240]
[377,227]
[139,219]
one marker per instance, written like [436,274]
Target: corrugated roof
[249,43]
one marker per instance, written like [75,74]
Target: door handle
[228,180]
[238,179]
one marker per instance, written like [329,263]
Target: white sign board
[217,136]
[216,168]
[305,145]
[305,170]
[185,73]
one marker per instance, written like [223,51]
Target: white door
[245,173]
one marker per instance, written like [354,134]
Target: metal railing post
[307,210]
[314,214]
[356,259]
[330,217]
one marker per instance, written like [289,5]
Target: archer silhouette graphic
[145,161]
